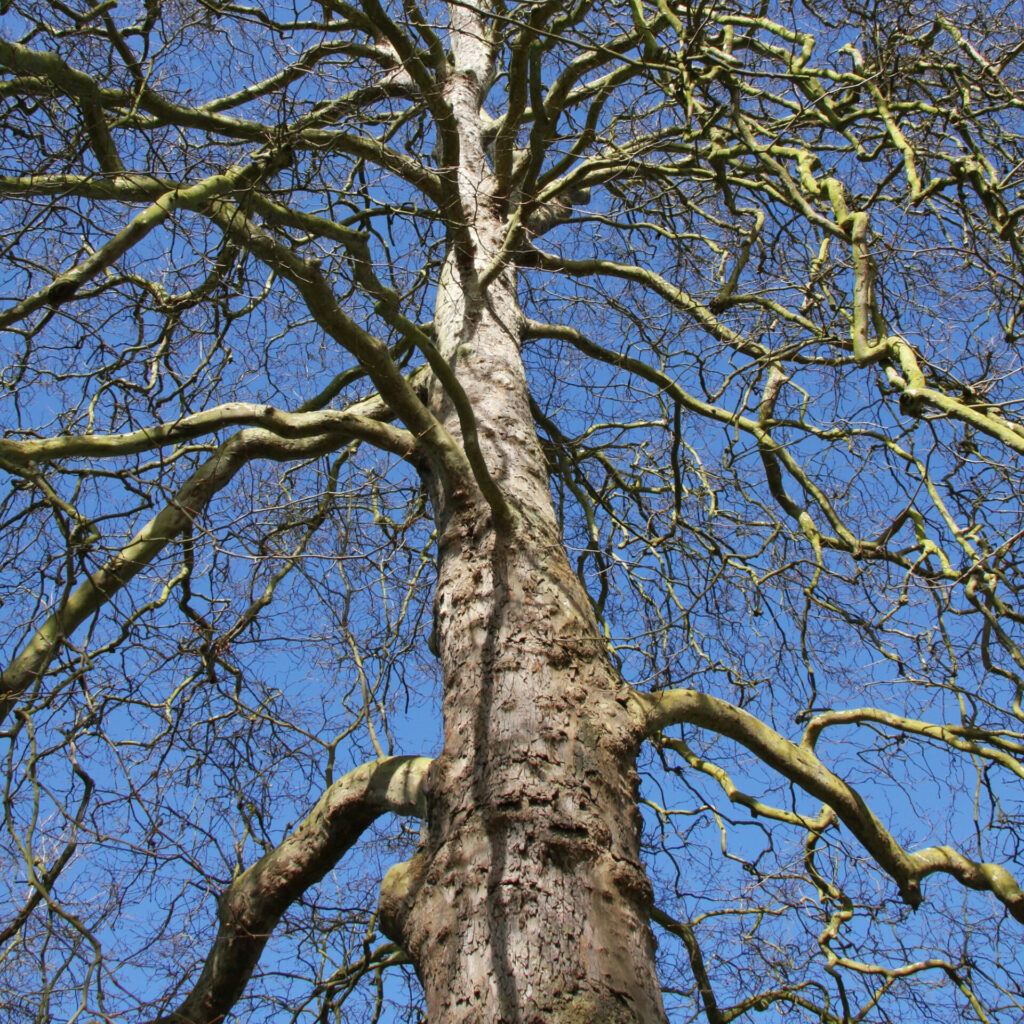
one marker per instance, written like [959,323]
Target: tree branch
[683,930]
[348,423]
[64,286]
[91,595]
[801,766]
[253,904]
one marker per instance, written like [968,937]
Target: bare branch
[800,765]
[252,905]
[28,667]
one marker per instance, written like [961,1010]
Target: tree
[633,387]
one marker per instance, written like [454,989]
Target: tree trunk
[527,900]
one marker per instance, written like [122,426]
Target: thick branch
[72,82]
[211,477]
[253,904]
[94,100]
[372,354]
[64,285]
[349,424]
[684,931]
[801,766]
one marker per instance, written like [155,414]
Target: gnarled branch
[253,904]
[801,766]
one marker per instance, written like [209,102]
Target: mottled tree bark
[527,900]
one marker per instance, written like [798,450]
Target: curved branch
[308,278]
[56,74]
[91,595]
[65,285]
[253,904]
[801,766]
[699,313]
[970,740]
[350,423]
[94,100]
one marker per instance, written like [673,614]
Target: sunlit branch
[801,766]
[72,82]
[971,740]
[348,424]
[29,666]
[95,100]
[840,913]
[251,906]
[65,285]
[374,356]
[701,315]
[756,807]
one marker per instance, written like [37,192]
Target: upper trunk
[527,900]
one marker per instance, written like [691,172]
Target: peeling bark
[527,900]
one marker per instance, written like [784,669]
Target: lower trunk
[527,901]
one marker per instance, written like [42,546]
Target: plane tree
[511,511]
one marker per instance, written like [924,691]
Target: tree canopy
[293,295]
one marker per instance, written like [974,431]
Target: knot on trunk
[398,892]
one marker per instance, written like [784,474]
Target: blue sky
[724,604]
